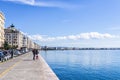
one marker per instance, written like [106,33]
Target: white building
[36,46]
[14,37]
[24,41]
[2,22]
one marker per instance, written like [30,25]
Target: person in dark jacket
[12,53]
[34,53]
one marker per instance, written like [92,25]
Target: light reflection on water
[84,64]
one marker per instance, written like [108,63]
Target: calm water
[84,64]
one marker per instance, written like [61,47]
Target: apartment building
[24,41]
[36,46]
[2,22]
[30,43]
[14,37]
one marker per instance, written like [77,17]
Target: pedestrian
[37,53]
[34,53]
[12,53]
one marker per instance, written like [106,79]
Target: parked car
[2,56]
[17,53]
[22,51]
[7,55]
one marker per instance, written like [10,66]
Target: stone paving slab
[27,69]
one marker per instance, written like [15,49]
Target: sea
[84,64]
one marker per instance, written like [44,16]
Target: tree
[15,47]
[6,46]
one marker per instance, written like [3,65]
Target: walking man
[34,53]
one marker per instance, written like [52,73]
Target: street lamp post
[12,31]
[12,45]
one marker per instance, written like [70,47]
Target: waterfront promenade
[24,68]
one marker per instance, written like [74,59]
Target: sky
[70,23]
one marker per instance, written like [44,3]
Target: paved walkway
[24,68]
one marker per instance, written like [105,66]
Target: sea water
[84,64]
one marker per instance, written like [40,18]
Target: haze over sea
[84,64]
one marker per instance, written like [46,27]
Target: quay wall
[49,72]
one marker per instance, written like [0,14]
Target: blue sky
[74,23]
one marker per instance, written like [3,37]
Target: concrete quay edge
[48,69]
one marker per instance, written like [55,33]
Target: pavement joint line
[10,68]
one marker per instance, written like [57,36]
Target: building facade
[14,37]
[2,22]
[24,41]
[36,46]
[30,43]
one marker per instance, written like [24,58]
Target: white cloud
[24,33]
[91,35]
[30,2]
[45,3]
[61,38]
[73,37]
[36,37]
[95,35]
